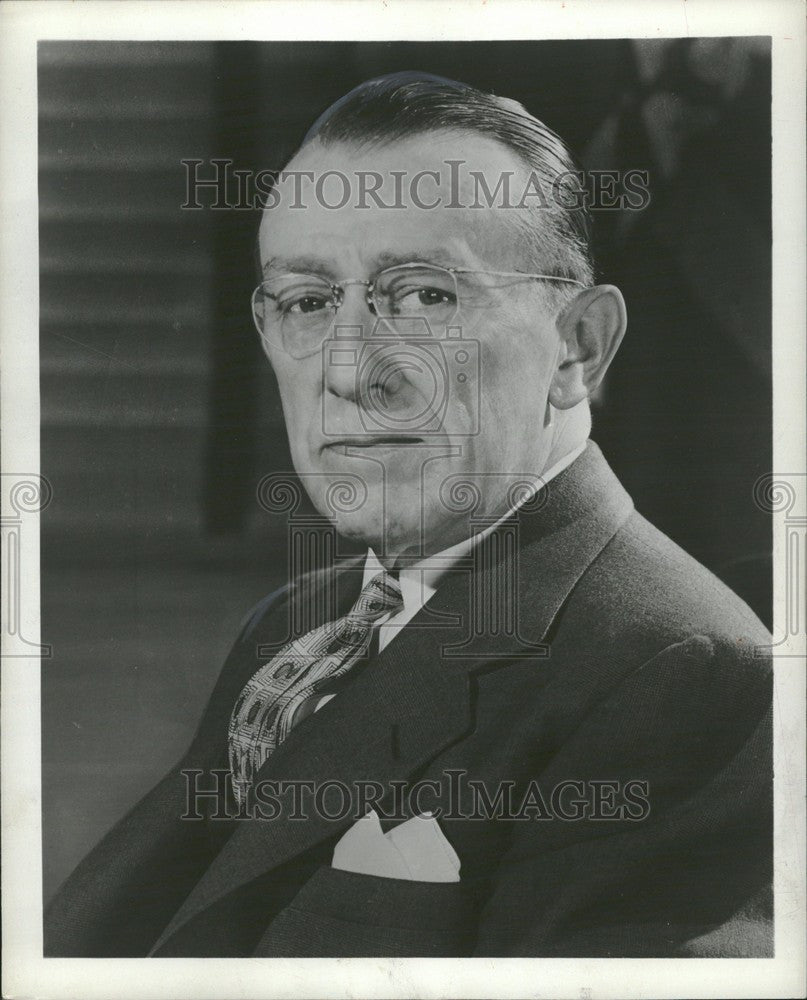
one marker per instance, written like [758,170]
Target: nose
[353,324]
[356,306]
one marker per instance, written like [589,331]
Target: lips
[375,441]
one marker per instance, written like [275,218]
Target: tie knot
[379,597]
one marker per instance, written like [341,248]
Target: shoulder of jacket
[643,581]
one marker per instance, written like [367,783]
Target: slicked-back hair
[400,105]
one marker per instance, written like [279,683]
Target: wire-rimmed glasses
[296,312]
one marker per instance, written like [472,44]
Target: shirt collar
[419,581]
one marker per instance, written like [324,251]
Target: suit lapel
[415,699]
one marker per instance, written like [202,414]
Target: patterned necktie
[265,710]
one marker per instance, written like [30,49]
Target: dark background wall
[159,415]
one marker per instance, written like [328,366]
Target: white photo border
[22,25]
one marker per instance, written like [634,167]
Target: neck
[569,430]
[462,528]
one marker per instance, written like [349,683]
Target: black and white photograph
[410,555]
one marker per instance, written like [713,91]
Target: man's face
[406,418]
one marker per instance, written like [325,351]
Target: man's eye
[426,297]
[305,304]
[434,296]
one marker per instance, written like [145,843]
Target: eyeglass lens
[297,311]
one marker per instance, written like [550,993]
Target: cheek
[299,398]
[515,369]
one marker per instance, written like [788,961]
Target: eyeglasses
[296,312]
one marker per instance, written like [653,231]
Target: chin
[392,536]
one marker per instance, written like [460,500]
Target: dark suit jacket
[650,671]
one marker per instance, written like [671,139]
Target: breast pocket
[345,914]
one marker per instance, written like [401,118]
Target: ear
[591,328]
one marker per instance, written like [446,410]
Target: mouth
[374,441]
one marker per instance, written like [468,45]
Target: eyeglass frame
[338,290]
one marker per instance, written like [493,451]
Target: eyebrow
[305,264]
[311,264]
[435,255]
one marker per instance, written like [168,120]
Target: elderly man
[524,722]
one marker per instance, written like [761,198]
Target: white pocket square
[416,850]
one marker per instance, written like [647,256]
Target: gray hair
[557,234]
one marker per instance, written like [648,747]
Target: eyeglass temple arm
[515,274]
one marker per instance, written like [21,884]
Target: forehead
[408,175]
